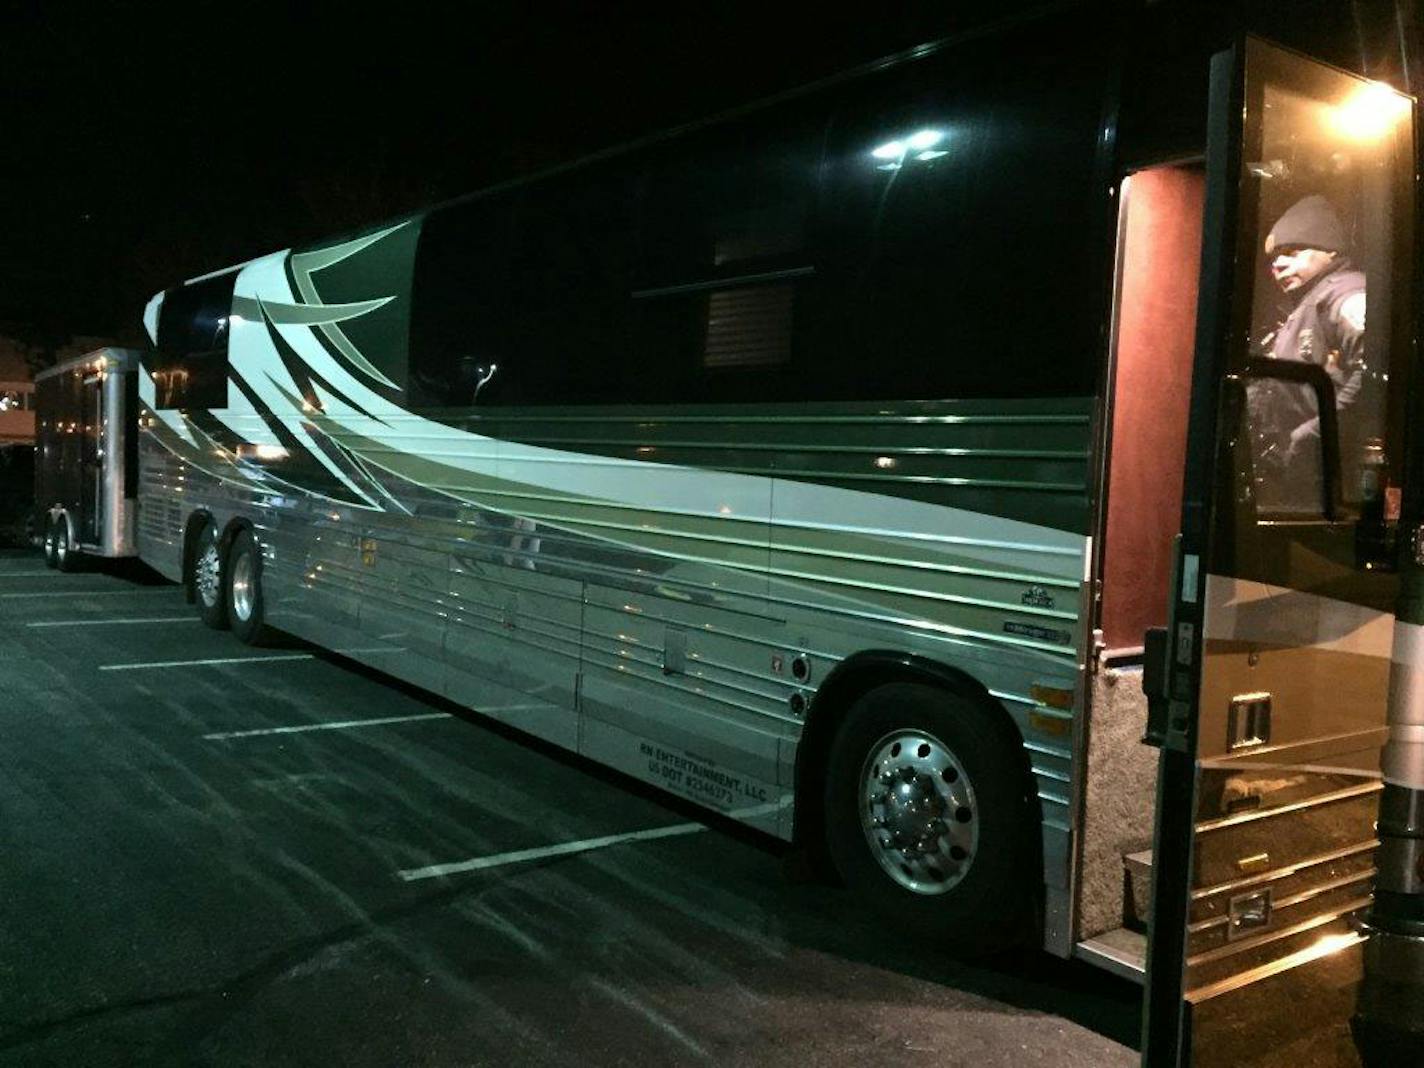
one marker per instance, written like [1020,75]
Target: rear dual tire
[208,578]
[243,587]
[51,557]
[65,555]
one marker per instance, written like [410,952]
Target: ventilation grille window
[749,327]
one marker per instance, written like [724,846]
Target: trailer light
[1052,696]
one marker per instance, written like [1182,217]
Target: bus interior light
[1370,113]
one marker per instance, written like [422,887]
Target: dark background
[145,144]
[144,148]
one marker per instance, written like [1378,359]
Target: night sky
[143,150]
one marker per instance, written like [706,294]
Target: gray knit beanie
[1308,223]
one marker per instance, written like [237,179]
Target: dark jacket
[1325,327]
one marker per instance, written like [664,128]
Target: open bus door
[1270,688]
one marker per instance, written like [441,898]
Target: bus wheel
[244,589]
[927,816]
[208,579]
[51,555]
[66,556]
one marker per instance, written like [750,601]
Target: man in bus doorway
[1324,325]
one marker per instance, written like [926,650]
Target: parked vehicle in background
[86,457]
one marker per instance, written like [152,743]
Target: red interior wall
[1156,329]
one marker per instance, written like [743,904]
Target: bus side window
[190,367]
[569,282]
[959,203]
[462,321]
[725,253]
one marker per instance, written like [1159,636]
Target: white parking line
[200,663]
[28,574]
[342,725]
[111,622]
[565,848]
[88,593]
[562,849]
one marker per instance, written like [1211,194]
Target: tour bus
[86,457]
[974,468]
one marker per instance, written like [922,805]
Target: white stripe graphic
[223,736]
[112,622]
[199,663]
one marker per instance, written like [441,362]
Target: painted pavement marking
[112,622]
[338,726]
[86,593]
[201,663]
[583,846]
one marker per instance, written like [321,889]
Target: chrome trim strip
[1285,870]
[732,282]
[1324,948]
[1293,899]
[1233,948]
[1206,826]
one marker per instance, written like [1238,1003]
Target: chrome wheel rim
[243,586]
[61,544]
[918,812]
[207,575]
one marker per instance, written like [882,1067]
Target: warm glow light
[261,452]
[1332,943]
[1370,113]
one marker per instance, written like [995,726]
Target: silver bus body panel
[644,614]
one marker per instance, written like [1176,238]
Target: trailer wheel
[51,556]
[66,556]
[245,611]
[208,578]
[928,818]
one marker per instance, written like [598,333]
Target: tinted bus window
[190,367]
[962,225]
[463,320]
[726,246]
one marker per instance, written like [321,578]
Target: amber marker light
[1052,696]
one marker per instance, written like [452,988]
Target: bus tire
[208,577]
[51,557]
[66,556]
[243,585]
[928,816]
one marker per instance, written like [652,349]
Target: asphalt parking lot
[230,856]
